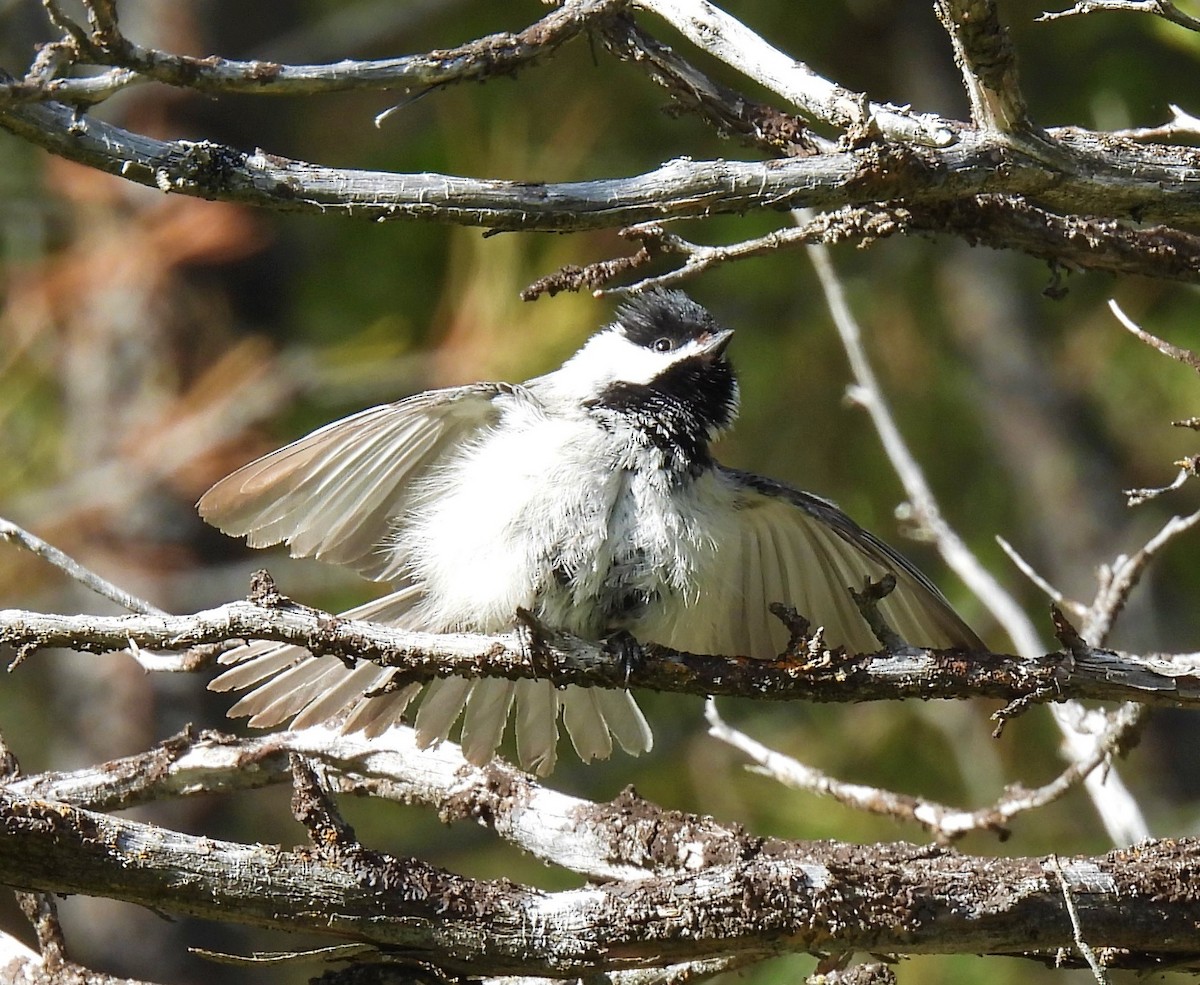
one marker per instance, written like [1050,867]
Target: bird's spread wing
[336,493]
[788,546]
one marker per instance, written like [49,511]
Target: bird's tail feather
[286,682]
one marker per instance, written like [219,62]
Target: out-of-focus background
[149,344]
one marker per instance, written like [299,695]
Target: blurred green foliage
[130,319]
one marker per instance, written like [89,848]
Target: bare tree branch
[1151,182]
[988,63]
[946,823]
[996,221]
[496,54]
[898,897]
[1182,125]
[1087,748]
[1035,193]
[74,570]
[833,676]
[728,39]
[730,111]
[1159,8]
[627,839]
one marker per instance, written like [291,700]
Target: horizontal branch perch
[627,839]
[910,673]
[1150,183]
[778,897]
[495,54]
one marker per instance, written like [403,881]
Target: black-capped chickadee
[588,496]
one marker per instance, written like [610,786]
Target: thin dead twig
[995,221]
[74,570]
[497,54]
[1188,466]
[1080,943]
[1182,125]
[1117,809]
[1158,8]
[1123,575]
[1176,352]
[106,589]
[946,823]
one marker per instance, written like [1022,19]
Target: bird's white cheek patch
[610,358]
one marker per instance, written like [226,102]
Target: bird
[588,497]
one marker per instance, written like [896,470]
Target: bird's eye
[662,345]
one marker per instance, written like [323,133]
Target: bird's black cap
[659,313]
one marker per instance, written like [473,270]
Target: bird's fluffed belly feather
[553,524]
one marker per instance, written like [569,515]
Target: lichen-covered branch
[1153,183]
[821,99]
[1065,195]
[775,897]
[823,676]
[1068,242]
[496,54]
[627,839]
[987,61]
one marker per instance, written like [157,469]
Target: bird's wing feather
[788,546]
[336,493]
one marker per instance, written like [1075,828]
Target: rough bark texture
[814,675]
[757,896]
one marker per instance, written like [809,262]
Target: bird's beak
[714,344]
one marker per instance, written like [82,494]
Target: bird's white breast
[563,517]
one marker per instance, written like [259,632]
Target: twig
[1084,948]
[947,823]
[1034,576]
[997,221]
[101,586]
[1159,8]
[728,39]
[1178,353]
[732,112]
[1183,124]
[74,570]
[1187,469]
[496,54]
[1123,576]
[657,241]
[868,394]
[1116,807]
[87,91]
